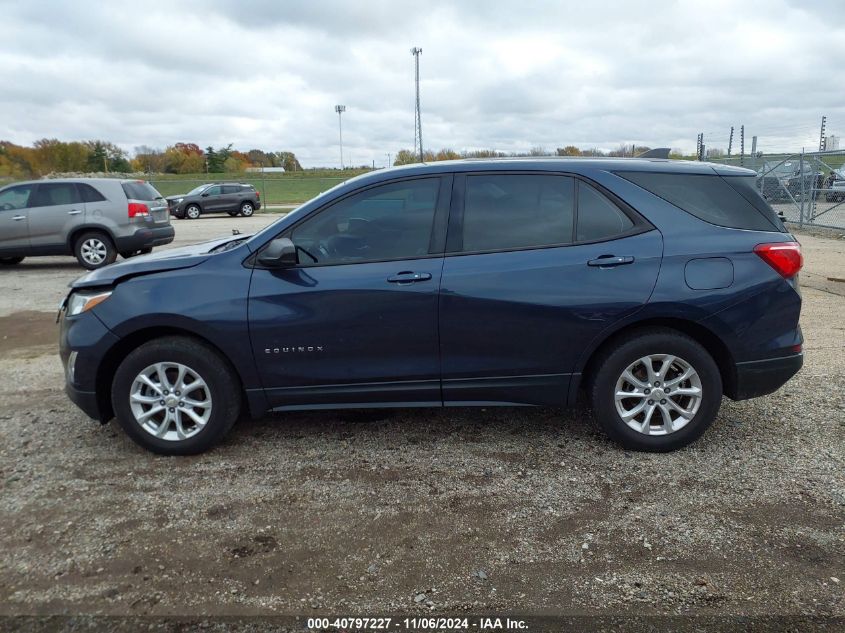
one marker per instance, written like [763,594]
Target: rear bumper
[761,377]
[145,238]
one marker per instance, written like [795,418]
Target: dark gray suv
[94,219]
[233,198]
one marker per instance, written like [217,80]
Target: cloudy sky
[495,74]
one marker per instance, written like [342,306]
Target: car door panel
[513,323]
[336,333]
[55,210]
[14,219]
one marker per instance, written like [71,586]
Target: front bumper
[85,335]
[761,377]
[145,238]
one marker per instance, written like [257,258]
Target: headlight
[178,200]
[83,301]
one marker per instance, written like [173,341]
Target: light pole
[417,116]
[388,160]
[340,109]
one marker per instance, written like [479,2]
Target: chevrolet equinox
[654,287]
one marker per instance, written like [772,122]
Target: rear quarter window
[711,198]
[140,190]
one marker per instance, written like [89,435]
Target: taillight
[784,257]
[138,209]
[257,195]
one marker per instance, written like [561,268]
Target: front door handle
[17,218]
[608,261]
[408,277]
[74,212]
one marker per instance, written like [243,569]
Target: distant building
[267,170]
[831,142]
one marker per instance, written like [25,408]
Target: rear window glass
[709,198]
[598,217]
[89,194]
[140,191]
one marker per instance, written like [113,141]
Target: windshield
[196,190]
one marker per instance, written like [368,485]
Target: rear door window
[88,193]
[708,197]
[509,211]
[140,190]
[230,189]
[55,193]
[598,217]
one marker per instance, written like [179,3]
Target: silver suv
[91,218]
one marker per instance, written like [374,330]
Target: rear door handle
[74,212]
[608,261]
[408,277]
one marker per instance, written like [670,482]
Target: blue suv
[654,287]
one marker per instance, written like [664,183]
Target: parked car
[93,219]
[835,186]
[231,197]
[781,182]
[653,286]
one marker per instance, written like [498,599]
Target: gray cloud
[496,74]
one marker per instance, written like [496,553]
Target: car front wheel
[192,212]
[657,390]
[247,209]
[175,396]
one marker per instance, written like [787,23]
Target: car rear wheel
[94,250]
[247,209]
[657,391]
[175,396]
[192,212]
[10,261]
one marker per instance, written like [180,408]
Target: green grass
[287,188]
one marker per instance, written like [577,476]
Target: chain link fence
[807,188]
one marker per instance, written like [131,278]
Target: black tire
[10,261]
[610,365]
[223,389]
[192,211]
[247,208]
[233,213]
[94,249]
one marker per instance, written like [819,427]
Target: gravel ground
[443,512]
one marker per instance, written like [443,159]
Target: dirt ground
[421,512]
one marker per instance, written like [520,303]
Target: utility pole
[340,109]
[389,164]
[822,139]
[741,144]
[417,118]
[730,141]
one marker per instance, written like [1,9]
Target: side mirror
[280,253]
[205,195]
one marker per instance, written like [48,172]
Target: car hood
[169,259]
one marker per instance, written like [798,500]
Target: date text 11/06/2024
[417,624]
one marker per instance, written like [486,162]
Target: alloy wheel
[658,394]
[93,251]
[170,401]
